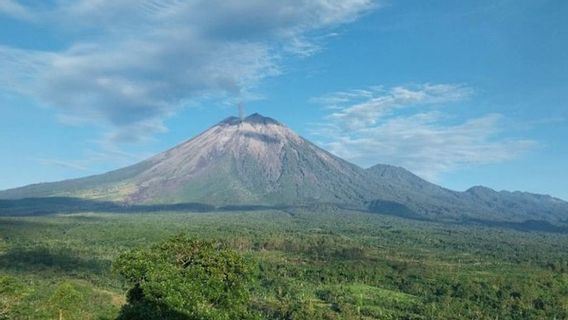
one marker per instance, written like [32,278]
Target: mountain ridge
[260,161]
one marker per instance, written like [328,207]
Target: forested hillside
[330,264]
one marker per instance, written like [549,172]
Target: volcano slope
[258,161]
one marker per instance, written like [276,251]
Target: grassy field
[323,263]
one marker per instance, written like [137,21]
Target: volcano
[260,161]
[256,160]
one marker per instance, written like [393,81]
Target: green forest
[310,263]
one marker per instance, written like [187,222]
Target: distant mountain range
[259,161]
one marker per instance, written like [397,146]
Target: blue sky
[461,92]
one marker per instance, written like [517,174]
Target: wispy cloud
[107,154]
[131,64]
[358,109]
[405,126]
[15,9]
[73,165]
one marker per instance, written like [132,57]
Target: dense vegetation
[185,278]
[299,264]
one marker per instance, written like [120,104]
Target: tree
[66,300]
[184,278]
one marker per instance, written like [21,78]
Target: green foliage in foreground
[331,264]
[184,278]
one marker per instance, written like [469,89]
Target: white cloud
[14,9]
[131,64]
[358,109]
[404,126]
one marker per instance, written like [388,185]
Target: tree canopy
[184,278]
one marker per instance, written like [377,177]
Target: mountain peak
[255,118]
[480,190]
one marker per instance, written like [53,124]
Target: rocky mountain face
[259,161]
